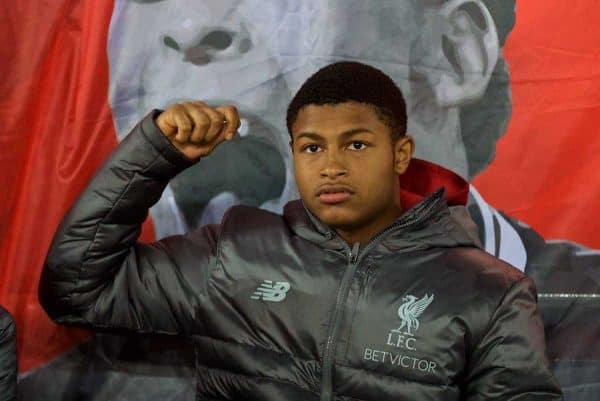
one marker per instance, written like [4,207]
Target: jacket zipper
[342,296]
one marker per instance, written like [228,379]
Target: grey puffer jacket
[281,308]
[8,357]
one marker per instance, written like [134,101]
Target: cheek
[302,174]
[377,180]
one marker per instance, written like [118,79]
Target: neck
[365,233]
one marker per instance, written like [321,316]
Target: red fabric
[423,177]
[547,166]
[57,129]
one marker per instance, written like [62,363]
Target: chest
[406,316]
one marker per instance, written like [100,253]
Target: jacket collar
[434,199]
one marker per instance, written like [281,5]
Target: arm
[8,357]
[509,362]
[97,275]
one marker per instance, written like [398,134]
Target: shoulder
[484,267]
[487,279]
[488,289]
[250,222]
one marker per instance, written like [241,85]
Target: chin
[336,217]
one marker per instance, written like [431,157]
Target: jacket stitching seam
[314,381]
[111,208]
[254,347]
[491,321]
[353,319]
[397,378]
[227,372]
[101,223]
[223,228]
[187,285]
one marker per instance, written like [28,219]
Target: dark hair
[347,81]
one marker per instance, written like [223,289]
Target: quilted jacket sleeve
[510,362]
[97,274]
[8,357]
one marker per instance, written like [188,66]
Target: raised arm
[96,273]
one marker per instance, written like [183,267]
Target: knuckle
[215,115]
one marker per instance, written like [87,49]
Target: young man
[371,286]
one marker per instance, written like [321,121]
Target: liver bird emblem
[410,311]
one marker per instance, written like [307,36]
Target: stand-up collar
[434,199]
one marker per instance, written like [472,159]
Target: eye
[312,148]
[358,145]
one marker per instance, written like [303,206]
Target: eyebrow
[344,135]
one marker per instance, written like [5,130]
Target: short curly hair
[347,81]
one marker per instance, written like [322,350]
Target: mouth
[334,194]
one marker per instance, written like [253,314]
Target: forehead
[335,118]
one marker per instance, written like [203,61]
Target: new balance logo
[272,292]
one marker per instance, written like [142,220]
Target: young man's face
[346,149]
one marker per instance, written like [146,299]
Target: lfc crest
[410,311]
[403,338]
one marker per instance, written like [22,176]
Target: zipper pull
[353,253]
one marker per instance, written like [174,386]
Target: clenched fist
[195,128]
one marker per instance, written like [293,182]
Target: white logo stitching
[272,292]
[409,312]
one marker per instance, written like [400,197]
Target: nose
[334,167]
[215,44]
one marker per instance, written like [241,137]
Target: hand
[195,128]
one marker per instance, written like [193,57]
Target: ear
[403,151]
[470,45]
